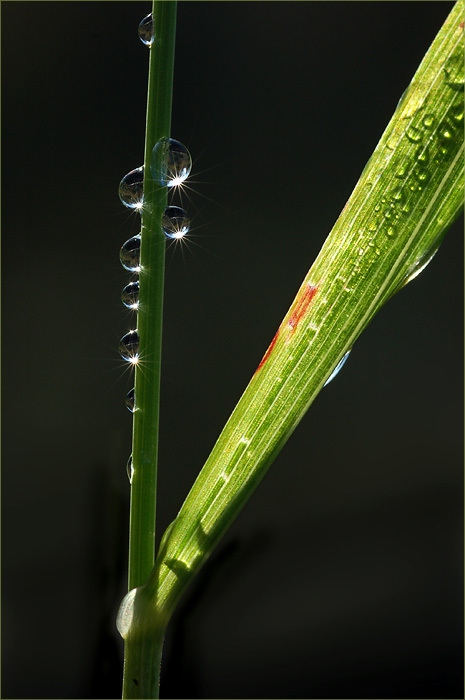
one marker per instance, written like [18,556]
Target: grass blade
[408,195]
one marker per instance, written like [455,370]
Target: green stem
[150,313]
[143,649]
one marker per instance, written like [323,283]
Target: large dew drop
[129,347]
[130,296]
[146,30]
[126,613]
[170,163]
[337,369]
[175,222]
[131,188]
[131,403]
[130,255]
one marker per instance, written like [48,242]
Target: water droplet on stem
[126,613]
[130,254]
[130,296]
[175,222]
[130,401]
[129,346]
[131,188]
[170,163]
[130,468]
[146,30]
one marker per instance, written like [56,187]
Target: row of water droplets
[428,136]
[170,165]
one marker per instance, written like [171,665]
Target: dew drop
[454,72]
[170,163]
[175,222]
[397,195]
[131,403]
[337,369]
[391,231]
[402,171]
[446,130]
[129,346]
[419,266]
[131,188]
[130,468]
[130,255]
[422,175]
[456,112]
[146,30]
[428,121]
[422,156]
[126,613]
[413,134]
[130,296]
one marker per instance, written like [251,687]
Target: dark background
[342,577]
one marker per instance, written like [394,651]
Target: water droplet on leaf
[420,265]
[130,254]
[428,121]
[413,134]
[130,295]
[129,346]
[131,188]
[146,30]
[337,369]
[130,401]
[170,163]
[454,72]
[175,222]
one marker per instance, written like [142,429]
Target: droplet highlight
[337,369]
[170,163]
[146,30]
[130,296]
[126,613]
[129,347]
[130,254]
[131,402]
[131,188]
[175,222]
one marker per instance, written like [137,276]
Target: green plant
[407,196]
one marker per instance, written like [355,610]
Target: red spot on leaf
[268,352]
[461,25]
[301,306]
